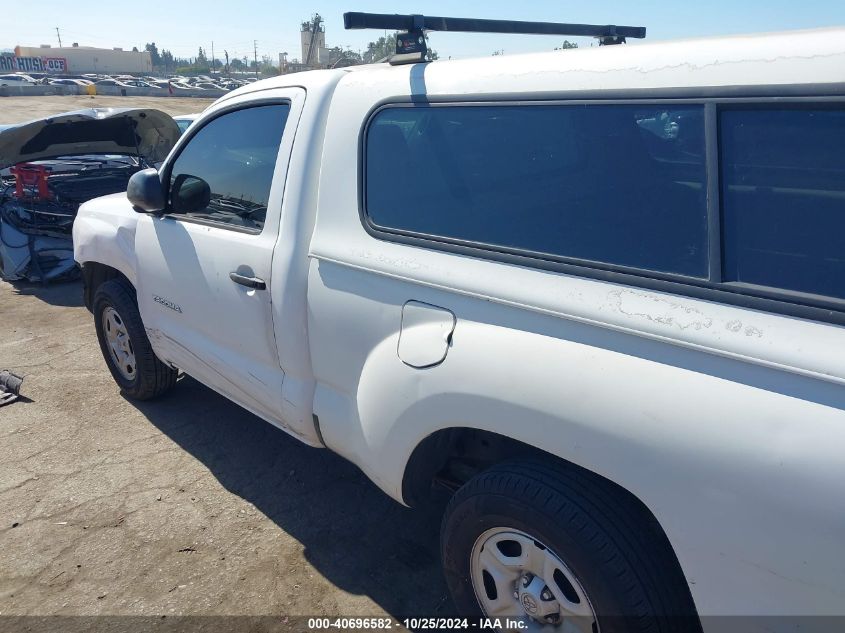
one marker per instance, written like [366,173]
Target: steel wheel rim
[516,576]
[119,344]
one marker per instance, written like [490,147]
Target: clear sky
[184,25]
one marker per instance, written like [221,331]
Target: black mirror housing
[146,192]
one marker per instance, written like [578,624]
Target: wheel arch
[447,458]
[94,274]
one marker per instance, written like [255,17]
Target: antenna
[411,47]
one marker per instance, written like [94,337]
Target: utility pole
[59,35]
[212,58]
[255,53]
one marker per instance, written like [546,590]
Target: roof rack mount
[411,47]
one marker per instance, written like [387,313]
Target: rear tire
[606,564]
[124,343]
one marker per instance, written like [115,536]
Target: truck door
[204,265]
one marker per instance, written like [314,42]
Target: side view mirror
[189,194]
[145,191]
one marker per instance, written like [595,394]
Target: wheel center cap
[536,600]
[529,604]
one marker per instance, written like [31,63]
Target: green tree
[154,56]
[267,67]
[385,46]
[167,60]
[381,49]
[340,58]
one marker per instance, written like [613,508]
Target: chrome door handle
[249,282]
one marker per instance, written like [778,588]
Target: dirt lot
[20,109]
[187,505]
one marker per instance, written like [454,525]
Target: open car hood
[143,132]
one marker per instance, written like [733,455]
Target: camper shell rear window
[723,198]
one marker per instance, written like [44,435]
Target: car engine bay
[38,204]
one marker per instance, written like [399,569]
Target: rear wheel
[124,343]
[561,550]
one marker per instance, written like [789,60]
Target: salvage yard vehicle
[69,82]
[137,83]
[185,120]
[112,82]
[594,296]
[208,85]
[16,80]
[50,166]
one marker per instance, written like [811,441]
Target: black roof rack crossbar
[357,20]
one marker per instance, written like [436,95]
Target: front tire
[561,549]
[124,343]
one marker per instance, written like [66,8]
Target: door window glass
[225,172]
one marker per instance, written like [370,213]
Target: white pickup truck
[596,295]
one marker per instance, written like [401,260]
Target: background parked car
[137,83]
[176,85]
[207,85]
[80,155]
[184,121]
[112,82]
[16,80]
[68,82]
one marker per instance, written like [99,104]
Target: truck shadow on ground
[66,294]
[353,534]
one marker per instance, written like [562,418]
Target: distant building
[81,59]
[313,40]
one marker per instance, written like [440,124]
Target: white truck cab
[596,296]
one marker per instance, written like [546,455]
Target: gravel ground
[183,506]
[20,109]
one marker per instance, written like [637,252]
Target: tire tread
[154,378]
[622,536]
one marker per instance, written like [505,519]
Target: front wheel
[559,549]
[124,343]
